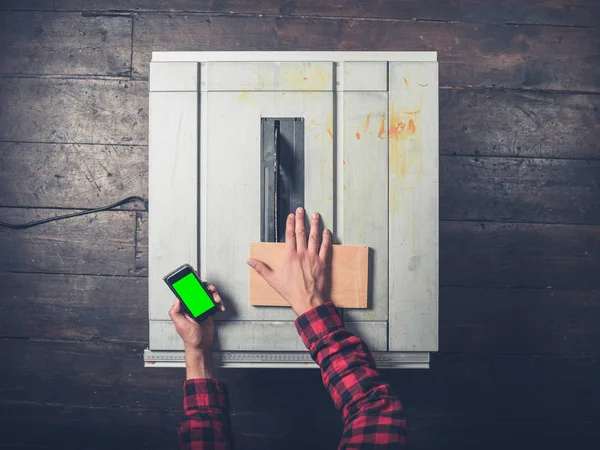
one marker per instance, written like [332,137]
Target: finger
[300,231]
[325,251]
[216,296]
[290,234]
[262,269]
[313,237]
[175,308]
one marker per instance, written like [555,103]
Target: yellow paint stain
[345,187]
[357,136]
[307,77]
[367,122]
[330,197]
[313,123]
[405,82]
[406,154]
[243,97]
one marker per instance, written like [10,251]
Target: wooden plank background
[519,235]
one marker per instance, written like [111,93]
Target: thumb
[261,268]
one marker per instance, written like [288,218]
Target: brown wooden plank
[457,386]
[349,275]
[45,43]
[562,12]
[519,255]
[99,244]
[82,111]
[71,175]
[513,123]
[519,189]
[38,426]
[471,122]
[520,321]
[499,434]
[470,54]
[74,307]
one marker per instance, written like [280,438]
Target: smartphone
[186,285]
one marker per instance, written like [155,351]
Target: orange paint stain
[411,127]
[305,78]
[405,82]
[344,162]
[330,133]
[357,136]
[381,132]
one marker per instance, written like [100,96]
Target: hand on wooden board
[301,279]
[197,337]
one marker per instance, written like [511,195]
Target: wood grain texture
[472,122]
[519,189]
[518,123]
[519,255]
[349,275]
[77,427]
[98,244]
[42,43]
[74,307]
[519,321]
[73,111]
[71,175]
[479,55]
[458,386]
[559,12]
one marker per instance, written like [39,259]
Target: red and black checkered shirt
[373,417]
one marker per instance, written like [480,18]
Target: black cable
[20,226]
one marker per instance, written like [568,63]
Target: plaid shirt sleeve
[205,424]
[373,417]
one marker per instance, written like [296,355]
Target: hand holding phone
[194,296]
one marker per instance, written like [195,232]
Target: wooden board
[97,244]
[173,150]
[262,335]
[413,206]
[362,189]
[74,111]
[479,55]
[64,43]
[558,12]
[72,175]
[349,276]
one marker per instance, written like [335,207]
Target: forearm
[351,378]
[205,422]
[198,363]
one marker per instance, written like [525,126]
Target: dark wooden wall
[519,365]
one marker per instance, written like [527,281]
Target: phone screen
[194,296]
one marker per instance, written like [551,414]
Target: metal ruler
[283,360]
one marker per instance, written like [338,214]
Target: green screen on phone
[193,295]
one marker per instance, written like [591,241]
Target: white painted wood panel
[295,56]
[231,183]
[362,194]
[364,76]
[173,175]
[413,206]
[173,77]
[238,335]
[269,76]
